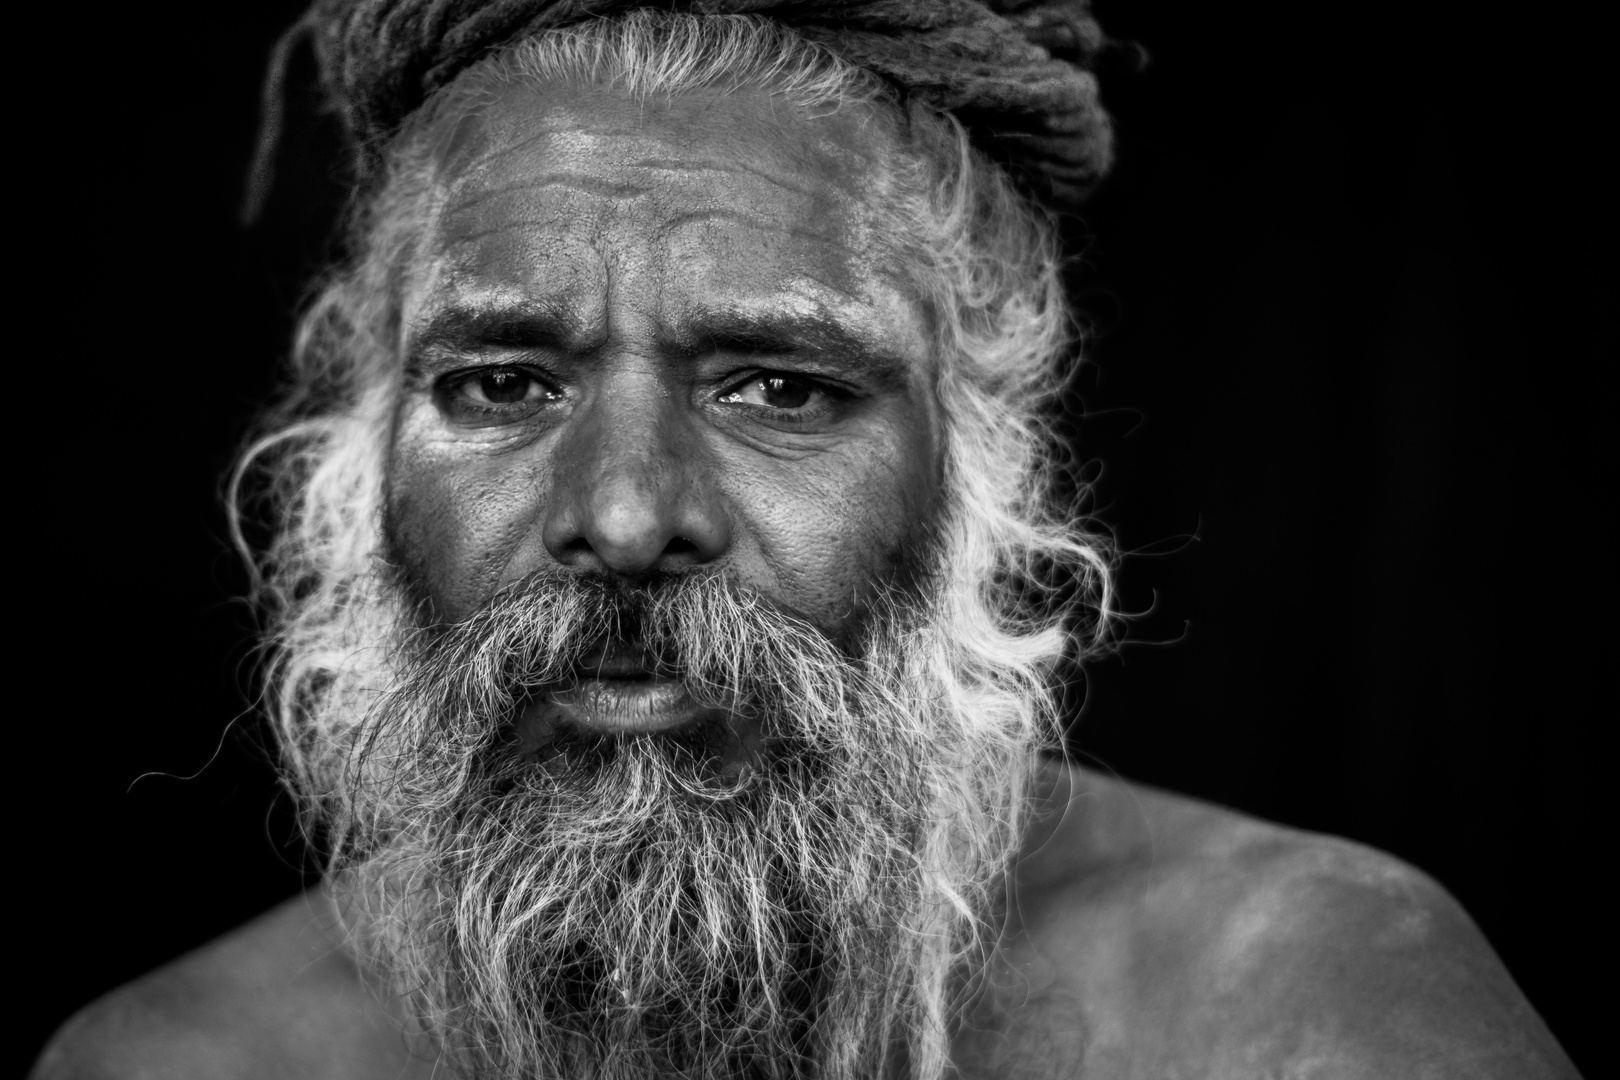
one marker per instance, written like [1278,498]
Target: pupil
[504,387]
[783,393]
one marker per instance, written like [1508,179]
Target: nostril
[570,551]
[680,552]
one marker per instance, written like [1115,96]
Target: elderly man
[669,579]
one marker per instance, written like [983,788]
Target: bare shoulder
[276,997]
[1180,938]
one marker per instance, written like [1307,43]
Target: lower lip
[624,706]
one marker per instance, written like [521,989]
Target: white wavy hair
[1023,583]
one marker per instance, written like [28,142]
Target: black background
[1349,287]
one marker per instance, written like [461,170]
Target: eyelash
[451,391]
[830,394]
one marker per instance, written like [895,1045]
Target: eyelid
[460,375]
[458,404]
[734,382]
[827,404]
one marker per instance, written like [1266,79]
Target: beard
[592,906]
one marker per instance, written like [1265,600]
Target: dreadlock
[1015,73]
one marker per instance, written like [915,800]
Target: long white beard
[620,908]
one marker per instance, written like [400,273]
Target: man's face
[644,338]
[694,777]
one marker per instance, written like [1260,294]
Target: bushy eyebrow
[788,334]
[817,337]
[464,329]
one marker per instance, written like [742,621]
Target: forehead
[593,207]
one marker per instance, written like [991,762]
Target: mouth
[610,705]
[616,691]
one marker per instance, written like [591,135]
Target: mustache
[657,612]
[733,648]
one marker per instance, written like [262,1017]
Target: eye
[774,390]
[503,386]
[494,393]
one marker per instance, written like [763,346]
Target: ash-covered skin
[649,268]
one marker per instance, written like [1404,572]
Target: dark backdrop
[1349,288]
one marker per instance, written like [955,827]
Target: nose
[632,492]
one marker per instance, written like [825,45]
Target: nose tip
[632,511]
[630,537]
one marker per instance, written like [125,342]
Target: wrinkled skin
[652,274]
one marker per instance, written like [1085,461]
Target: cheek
[833,530]
[460,528]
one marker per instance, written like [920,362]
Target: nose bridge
[627,458]
[631,495]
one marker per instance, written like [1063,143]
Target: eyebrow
[463,329]
[783,334]
[528,327]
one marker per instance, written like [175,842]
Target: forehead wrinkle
[806,199]
[505,142]
[755,221]
[595,185]
[459,276]
[505,147]
[589,185]
[724,167]
[839,294]
[464,239]
[509,147]
[510,140]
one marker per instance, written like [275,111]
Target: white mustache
[732,649]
